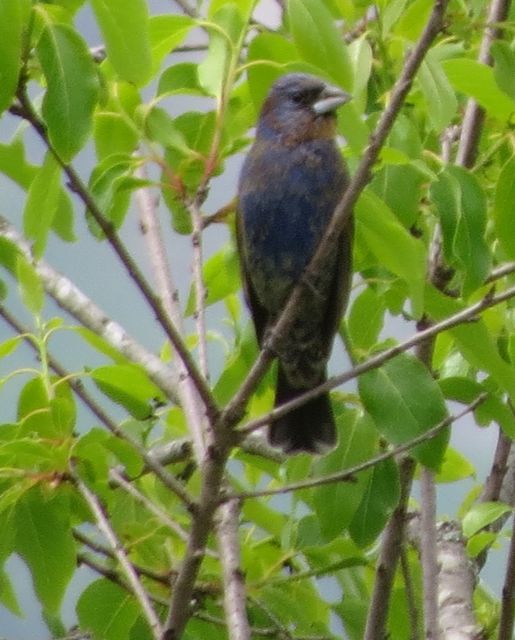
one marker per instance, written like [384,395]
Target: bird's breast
[287,197]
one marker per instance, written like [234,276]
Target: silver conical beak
[330,99]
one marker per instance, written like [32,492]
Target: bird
[290,183]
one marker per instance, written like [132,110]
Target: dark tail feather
[309,428]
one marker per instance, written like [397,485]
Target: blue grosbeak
[290,183]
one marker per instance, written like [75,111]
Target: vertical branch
[428,539]
[388,558]
[456,586]
[508,593]
[474,115]
[428,552]
[189,397]
[410,597]
[234,584]
[200,289]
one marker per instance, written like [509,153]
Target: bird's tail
[309,428]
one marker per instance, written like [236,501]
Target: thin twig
[136,587]
[199,286]
[159,513]
[108,553]
[504,270]
[348,474]
[180,609]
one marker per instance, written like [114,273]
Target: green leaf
[44,541]
[223,36]
[166,33]
[8,595]
[399,184]
[504,57]
[393,247]
[113,135]
[9,345]
[377,504]
[319,41]
[108,183]
[160,127]
[473,340]
[365,319]
[335,504]
[483,514]
[34,408]
[41,205]
[439,96]
[478,543]
[414,19]
[107,610]
[405,401]
[477,81]
[503,208]
[179,78]
[13,22]
[14,164]
[125,30]
[181,217]
[454,467]
[390,13]
[269,52]
[129,386]
[221,277]
[72,86]
[30,286]
[461,205]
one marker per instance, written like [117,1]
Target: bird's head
[300,107]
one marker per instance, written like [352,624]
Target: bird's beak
[330,99]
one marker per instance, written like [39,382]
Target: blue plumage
[290,183]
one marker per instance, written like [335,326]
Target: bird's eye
[299,97]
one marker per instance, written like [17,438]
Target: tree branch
[508,592]
[234,583]
[70,298]
[474,114]
[347,475]
[136,587]
[77,186]
[190,400]
[456,582]
[391,547]
[461,317]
